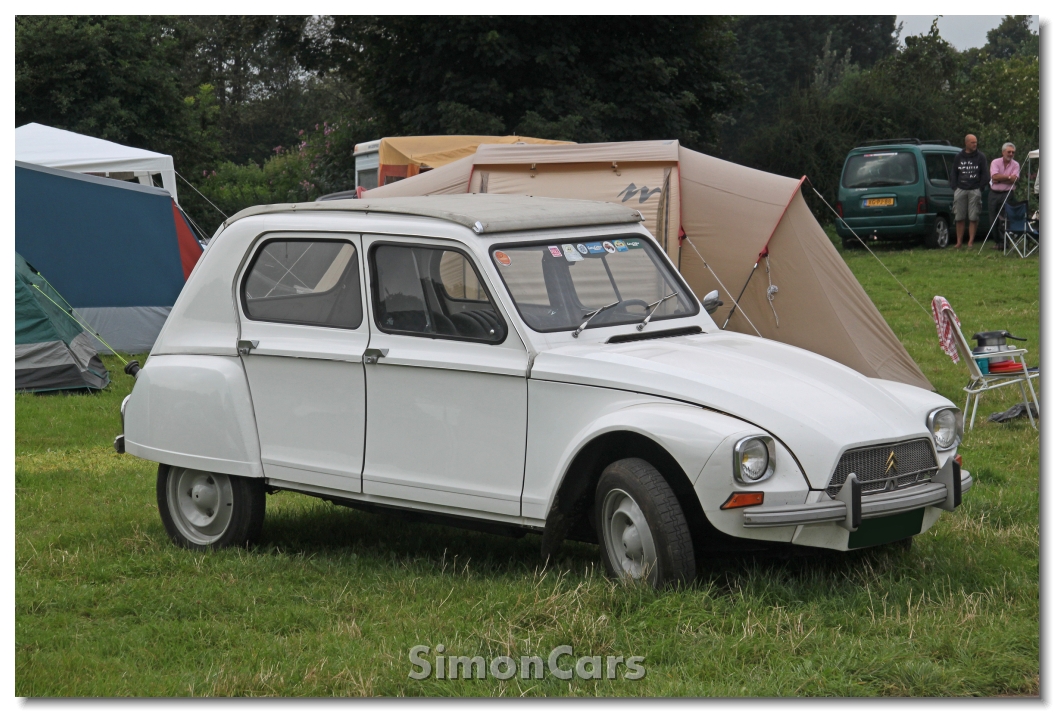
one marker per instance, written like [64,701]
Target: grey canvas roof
[483,213]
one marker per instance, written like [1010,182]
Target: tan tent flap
[820,305]
[436,151]
[730,213]
[628,152]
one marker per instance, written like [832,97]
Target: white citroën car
[519,364]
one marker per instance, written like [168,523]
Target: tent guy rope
[225,215]
[84,326]
[835,213]
[735,303]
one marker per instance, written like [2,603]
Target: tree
[577,78]
[115,78]
[1012,37]
[264,95]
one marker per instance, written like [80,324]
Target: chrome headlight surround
[937,422]
[747,448]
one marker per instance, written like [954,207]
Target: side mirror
[712,301]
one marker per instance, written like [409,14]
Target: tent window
[424,291]
[312,282]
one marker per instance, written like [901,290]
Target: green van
[899,190]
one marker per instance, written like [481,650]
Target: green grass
[333,599]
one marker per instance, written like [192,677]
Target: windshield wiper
[589,318]
[652,309]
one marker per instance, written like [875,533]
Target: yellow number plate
[878,202]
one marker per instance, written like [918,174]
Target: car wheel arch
[571,506]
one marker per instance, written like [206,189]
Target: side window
[936,168]
[311,282]
[429,291]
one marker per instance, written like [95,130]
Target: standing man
[969,173]
[1005,172]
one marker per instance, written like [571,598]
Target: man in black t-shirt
[969,172]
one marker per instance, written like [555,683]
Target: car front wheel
[202,510]
[641,526]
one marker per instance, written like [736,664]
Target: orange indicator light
[959,459]
[743,499]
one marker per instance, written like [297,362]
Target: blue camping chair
[1020,234]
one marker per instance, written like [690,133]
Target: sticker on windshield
[608,247]
[502,258]
[620,245]
[595,248]
[572,254]
[633,244]
[582,248]
[554,250]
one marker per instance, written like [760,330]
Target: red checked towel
[941,310]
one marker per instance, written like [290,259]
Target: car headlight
[754,459]
[946,424]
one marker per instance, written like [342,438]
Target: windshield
[557,286]
[874,170]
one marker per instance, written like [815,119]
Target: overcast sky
[962,31]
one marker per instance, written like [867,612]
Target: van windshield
[556,286]
[878,169]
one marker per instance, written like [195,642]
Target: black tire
[206,510]
[850,243]
[939,235]
[634,482]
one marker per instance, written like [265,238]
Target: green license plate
[873,532]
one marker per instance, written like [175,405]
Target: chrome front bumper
[945,490]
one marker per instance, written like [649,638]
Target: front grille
[914,462]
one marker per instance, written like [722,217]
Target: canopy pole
[722,284]
[735,303]
[908,291]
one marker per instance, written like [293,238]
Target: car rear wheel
[202,510]
[850,243]
[939,234]
[641,526]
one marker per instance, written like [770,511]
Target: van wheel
[641,526]
[938,236]
[202,510]
[850,243]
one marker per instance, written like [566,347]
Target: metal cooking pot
[990,342]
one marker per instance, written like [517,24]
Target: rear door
[938,177]
[303,334]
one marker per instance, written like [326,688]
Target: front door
[446,382]
[303,335]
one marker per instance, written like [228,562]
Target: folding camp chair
[981,382]
[1020,234]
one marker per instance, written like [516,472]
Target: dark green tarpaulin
[52,351]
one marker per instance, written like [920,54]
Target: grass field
[333,600]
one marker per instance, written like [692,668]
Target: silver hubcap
[942,234]
[627,537]
[201,504]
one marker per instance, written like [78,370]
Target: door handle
[372,355]
[244,347]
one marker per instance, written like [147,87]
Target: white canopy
[55,148]
[1033,153]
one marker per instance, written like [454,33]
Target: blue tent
[118,252]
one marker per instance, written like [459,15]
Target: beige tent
[801,292]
